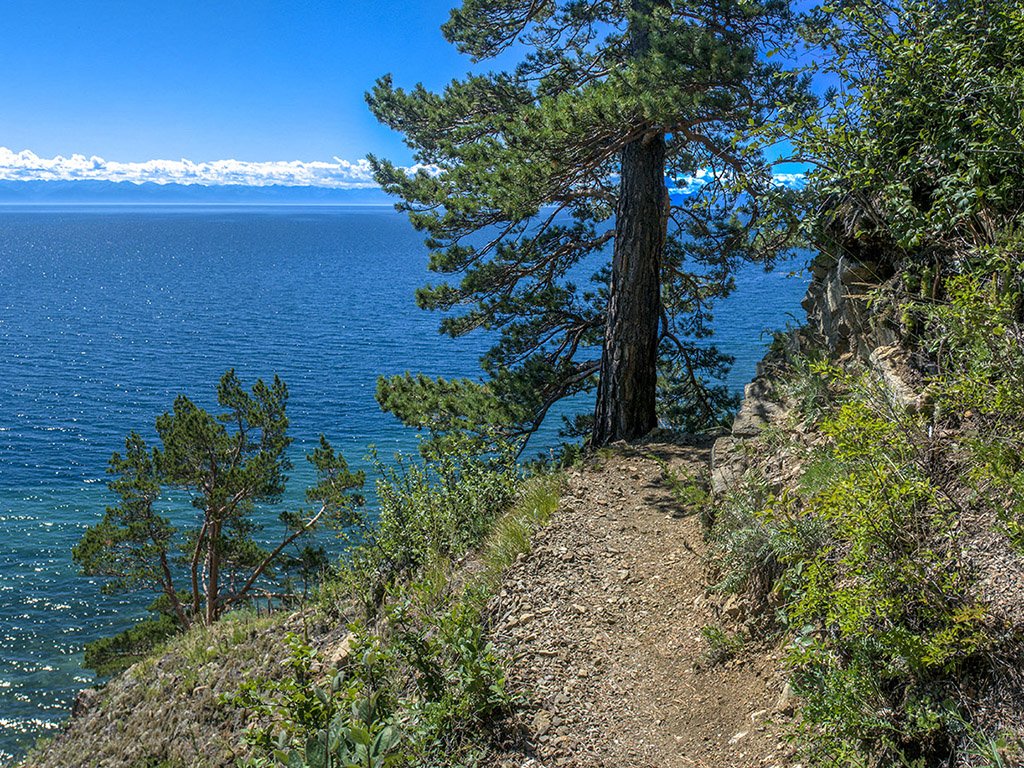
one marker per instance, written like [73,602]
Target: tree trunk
[629,358]
[213,574]
[627,387]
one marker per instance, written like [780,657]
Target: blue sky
[209,91]
[259,80]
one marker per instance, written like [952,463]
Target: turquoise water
[107,313]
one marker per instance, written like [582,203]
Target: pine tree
[227,465]
[531,175]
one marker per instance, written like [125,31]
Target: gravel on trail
[602,625]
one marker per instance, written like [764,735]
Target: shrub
[424,687]
[335,721]
[690,491]
[454,684]
[979,351]
[511,534]
[885,610]
[805,381]
[428,512]
[722,645]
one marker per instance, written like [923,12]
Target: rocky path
[603,623]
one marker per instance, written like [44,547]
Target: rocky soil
[603,625]
[168,711]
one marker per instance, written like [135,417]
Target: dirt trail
[603,622]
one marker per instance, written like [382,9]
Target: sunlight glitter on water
[106,316]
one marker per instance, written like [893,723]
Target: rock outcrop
[838,310]
[842,323]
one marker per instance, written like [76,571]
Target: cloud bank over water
[335,174]
[689,184]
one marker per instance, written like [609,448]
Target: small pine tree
[227,465]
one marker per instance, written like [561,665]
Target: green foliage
[862,559]
[808,383]
[440,509]
[511,535]
[460,416]
[917,169]
[885,608]
[980,384]
[110,655]
[994,751]
[458,681]
[918,156]
[420,657]
[690,492]
[431,642]
[428,511]
[722,644]
[821,471]
[228,466]
[879,576]
[979,354]
[318,723]
[747,546]
[525,188]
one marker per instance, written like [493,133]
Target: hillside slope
[642,627]
[601,624]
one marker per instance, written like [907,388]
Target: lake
[107,313]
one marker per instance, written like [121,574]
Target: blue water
[107,313]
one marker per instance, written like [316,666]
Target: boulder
[890,365]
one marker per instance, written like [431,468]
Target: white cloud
[791,180]
[688,185]
[338,174]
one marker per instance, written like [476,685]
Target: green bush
[883,608]
[980,385]
[429,511]
[453,682]
[511,534]
[423,685]
[319,721]
[742,543]
[751,538]
[110,655]
[806,383]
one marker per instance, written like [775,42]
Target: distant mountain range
[95,192]
[128,193]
